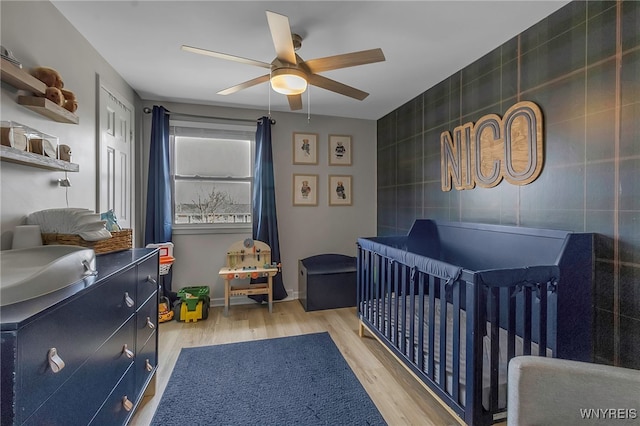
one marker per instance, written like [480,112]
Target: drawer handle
[126,404]
[128,300]
[128,352]
[87,268]
[152,280]
[150,324]
[147,365]
[55,362]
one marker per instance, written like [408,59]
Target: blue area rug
[300,380]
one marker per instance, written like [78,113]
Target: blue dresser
[104,332]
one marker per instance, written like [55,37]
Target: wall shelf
[47,108]
[13,155]
[22,80]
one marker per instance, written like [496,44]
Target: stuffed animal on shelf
[55,91]
[54,95]
[70,102]
[64,154]
[48,76]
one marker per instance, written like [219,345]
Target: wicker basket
[120,240]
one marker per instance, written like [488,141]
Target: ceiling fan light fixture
[288,81]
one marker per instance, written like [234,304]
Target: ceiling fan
[288,73]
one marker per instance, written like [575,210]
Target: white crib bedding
[486,347]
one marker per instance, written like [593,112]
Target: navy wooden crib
[454,302]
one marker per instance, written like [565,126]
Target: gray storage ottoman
[327,281]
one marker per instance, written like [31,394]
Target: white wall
[56,44]
[304,231]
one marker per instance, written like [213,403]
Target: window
[212,169]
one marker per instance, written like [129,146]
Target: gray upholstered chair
[549,391]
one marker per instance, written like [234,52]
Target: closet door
[115,156]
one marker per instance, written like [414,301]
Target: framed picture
[305,148]
[340,190]
[305,190]
[339,150]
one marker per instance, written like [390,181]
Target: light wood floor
[398,395]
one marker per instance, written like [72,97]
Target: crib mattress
[386,325]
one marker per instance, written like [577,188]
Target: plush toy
[64,154]
[54,95]
[55,88]
[112,221]
[54,91]
[70,103]
[48,76]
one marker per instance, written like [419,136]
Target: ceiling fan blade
[295,102]
[334,86]
[225,56]
[281,34]
[245,85]
[346,60]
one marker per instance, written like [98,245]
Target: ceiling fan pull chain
[269,86]
[309,105]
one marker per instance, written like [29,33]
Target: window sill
[231,228]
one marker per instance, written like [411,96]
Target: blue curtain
[158,218]
[265,222]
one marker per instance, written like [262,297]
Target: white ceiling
[423,42]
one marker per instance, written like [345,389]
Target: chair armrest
[546,391]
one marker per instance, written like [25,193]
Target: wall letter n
[455,158]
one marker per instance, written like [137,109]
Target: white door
[115,156]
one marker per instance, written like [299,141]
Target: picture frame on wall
[305,190]
[305,148]
[340,150]
[340,190]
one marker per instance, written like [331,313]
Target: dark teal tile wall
[587,83]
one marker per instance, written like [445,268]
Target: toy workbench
[248,259]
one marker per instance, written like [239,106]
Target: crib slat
[421,322]
[442,376]
[402,316]
[366,277]
[366,285]
[542,326]
[383,319]
[456,343]
[432,326]
[412,317]
[526,338]
[387,302]
[396,276]
[494,312]
[375,282]
[511,323]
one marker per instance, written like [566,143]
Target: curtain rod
[148,110]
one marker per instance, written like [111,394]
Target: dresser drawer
[76,330]
[146,364]
[80,397]
[114,411]
[146,321]
[147,279]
